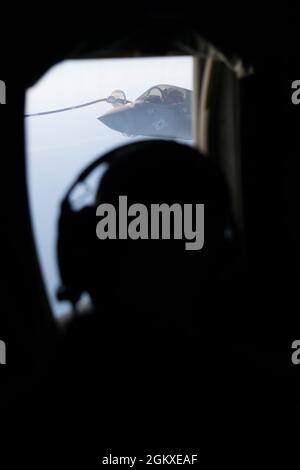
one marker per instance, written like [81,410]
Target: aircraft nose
[118,120]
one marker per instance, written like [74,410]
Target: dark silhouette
[123,273]
[145,360]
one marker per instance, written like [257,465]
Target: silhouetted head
[158,275]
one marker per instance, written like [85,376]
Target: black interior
[268,294]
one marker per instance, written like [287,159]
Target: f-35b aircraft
[162,111]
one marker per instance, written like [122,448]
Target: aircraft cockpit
[164,94]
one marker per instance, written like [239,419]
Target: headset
[73,229]
[76,232]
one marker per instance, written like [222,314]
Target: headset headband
[84,174]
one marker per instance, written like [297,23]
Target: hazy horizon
[59,146]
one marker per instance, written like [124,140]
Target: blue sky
[59,146]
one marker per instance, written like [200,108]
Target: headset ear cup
[76,232]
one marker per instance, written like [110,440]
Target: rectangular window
[81,109]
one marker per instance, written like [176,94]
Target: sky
[59,146]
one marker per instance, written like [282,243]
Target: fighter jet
[163,111]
